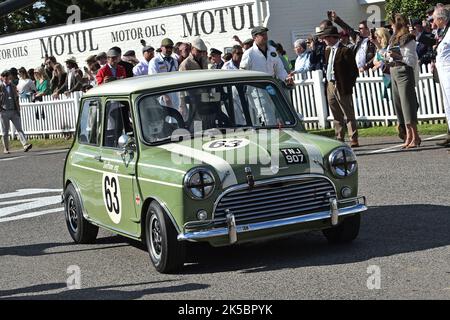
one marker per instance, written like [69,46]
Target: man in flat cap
[198,58]
[10,111]
[216,59]
[130,57]
[141,69]
[102,59]
[126,65]
[163,61]
[263,57]
[341,74]
[112,70]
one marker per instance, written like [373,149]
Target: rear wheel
[81,231]
[345,232]
[166,252]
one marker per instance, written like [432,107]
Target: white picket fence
[54,117]
[57,117]
[370,105]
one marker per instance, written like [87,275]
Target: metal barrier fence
[56,117]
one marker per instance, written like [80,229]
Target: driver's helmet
[155,120]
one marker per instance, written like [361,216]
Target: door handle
[98,158]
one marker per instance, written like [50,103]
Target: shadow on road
[385,231]
[41,249]
[97,293]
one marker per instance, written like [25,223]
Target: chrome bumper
[232,230]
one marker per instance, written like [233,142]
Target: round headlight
[199,183]
[343,162]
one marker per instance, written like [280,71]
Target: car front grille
[275,200]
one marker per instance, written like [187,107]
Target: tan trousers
[343,113]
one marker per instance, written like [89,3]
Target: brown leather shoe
[354,144]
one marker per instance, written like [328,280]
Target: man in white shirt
[141,68]
[264,58]
[236,59]
[164,62]
[303,62]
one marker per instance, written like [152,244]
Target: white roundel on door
[112,197]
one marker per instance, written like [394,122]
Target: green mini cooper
[204,156]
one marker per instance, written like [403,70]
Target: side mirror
[127,144]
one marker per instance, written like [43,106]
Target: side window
[89,132]
[117,122]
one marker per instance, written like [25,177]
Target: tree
[53,12]
[414,9]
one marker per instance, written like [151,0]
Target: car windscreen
[226,106]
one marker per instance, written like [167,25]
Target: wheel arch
[166,210]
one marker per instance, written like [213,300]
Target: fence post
[320,99]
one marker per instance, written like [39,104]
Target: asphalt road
[404,238]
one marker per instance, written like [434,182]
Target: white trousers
[444,78]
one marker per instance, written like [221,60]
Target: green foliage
[53,12]
[414,9]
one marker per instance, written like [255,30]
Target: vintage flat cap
[214,51]
[248,41]
[130,53]
[166,43]
[147,48]
[71,60]
[199,44]
[113,53]
[328,32]
[259,30]
[91,59]
[101,55]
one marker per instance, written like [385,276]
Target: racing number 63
[112,197]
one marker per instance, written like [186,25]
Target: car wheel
[166,252]
[81,231]
[345,232]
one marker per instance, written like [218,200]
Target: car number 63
[112,197]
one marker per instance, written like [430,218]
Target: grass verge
[424,130]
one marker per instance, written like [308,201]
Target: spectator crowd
[397,49]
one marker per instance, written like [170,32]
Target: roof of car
[137,84]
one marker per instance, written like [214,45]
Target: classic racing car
[204,156]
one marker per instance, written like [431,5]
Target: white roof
[172,79]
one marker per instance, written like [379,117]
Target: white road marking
[398,146]
[33,204]
[27,192]
[30,215]
[11,159]
[13,208]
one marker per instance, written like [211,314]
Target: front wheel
[81,231]
[345,232]
[166,252]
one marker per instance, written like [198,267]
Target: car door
[85,158]
[118,183]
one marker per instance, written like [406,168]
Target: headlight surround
[343,162]
[199,183]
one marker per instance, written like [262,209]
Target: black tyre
[81,231]
[345,232]
[166,252]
